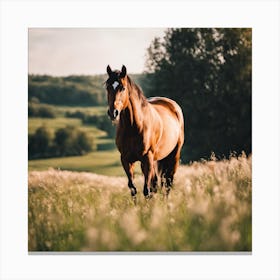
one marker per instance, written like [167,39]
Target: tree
[71,141]
[39,143]
[70,90]
[208,72]
[83,143]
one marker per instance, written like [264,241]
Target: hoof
[154,190]
[146,191]
[167,191]
[133,192]
[149,196]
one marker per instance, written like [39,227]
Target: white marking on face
[115,84]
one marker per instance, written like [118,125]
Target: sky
[88,51]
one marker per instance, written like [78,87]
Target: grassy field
[60,110]
[209,209]
[60,122]
[103,161]
[71,208]
[100,162]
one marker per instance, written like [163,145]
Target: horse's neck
[134,111]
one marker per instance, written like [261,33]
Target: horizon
[84,75]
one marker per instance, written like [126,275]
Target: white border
[262,16]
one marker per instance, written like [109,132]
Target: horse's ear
[109,70]
[123,73]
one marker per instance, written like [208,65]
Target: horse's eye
[123,89]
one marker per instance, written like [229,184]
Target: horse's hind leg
[148,171]
[154,184]
[168,167]
[128,168]
[154,178]
[167,174]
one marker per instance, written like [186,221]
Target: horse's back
[172,124]
[170,105]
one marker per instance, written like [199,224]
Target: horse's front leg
[128,168]
[148,171]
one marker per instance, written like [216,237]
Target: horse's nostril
[115,113]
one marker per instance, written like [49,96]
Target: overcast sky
[67,51]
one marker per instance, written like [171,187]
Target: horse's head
[117,93]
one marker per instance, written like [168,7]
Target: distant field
[98,135]
[209,209]
[106,160]
[100,162]
[98,110]
[60,110]
[56,123]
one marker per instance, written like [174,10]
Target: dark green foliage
[39,143]
[42,111]
[75,115]
[102,122]
[208,72]
[71,90]
[68,141]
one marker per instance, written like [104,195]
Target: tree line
[70,90]
[102,122]
[40,110]
[208,71]
[67,141]
[75,90]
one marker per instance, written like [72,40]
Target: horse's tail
[180,116]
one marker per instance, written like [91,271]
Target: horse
[147,130]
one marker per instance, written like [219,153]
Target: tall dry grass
[209,209]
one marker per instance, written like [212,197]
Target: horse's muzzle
[113,115]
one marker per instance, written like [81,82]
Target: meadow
[91,162]
[209,209]
[82,203]
[104,160]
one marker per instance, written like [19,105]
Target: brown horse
[148,130]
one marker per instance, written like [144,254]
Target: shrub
[101,122]
[39,144]
[68,141]
[75,115]
[71,141]
[42,111]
